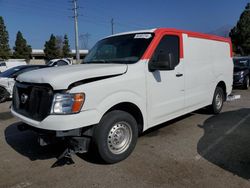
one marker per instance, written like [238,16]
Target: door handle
[179,75]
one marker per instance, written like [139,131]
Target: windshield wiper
[102,61]
[96,61]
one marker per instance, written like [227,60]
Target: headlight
[67,103]
[241,73]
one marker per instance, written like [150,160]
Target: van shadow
[226,141]
[25,143]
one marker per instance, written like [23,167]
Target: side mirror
[162,62]
[14,76]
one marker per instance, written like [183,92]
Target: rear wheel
[115,137]
[246,82]
[3,94]
[218,101]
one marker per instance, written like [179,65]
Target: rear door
[165,90]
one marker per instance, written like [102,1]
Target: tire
[4,95]
[246,82]
[218,101]
[115,137]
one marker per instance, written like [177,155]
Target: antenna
[112,26]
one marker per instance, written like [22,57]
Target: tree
[4,41]
[66,47]
[21,49]
[51,49]
[240,34]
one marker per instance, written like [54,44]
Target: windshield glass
[120,49]
[241,63]
[8,73]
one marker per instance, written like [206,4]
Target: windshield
[241,63]
[120,49]
[8,73]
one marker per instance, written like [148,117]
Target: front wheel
[115,136]
[218,101]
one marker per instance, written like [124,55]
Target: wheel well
[131,109]
[222,85]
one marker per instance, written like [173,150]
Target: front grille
[32,101]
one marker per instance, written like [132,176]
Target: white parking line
[198,157]
[22,185]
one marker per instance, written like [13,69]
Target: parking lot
[196,150]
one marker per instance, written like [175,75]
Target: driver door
[165,88]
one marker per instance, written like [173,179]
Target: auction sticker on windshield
[143,36]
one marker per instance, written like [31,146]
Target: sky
[38,19]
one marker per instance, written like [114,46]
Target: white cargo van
[127,84]
[7,64]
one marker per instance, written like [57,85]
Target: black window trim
[179,46]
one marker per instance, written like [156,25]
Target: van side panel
[199,80]
[223,64]
[207,62]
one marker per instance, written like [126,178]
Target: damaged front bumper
[77,140]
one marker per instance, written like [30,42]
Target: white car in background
[7,64]
[59,62]
[7,79]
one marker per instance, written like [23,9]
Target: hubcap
[218,101]
[119,137]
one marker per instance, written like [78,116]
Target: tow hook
[74,145]
[65,158]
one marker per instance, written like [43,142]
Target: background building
[38,56]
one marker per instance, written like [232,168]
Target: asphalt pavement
[196,150]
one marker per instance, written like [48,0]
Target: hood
[61,77]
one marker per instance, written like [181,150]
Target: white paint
[159,95]
[207,63]
[166,94]
[133,32]
[62,77]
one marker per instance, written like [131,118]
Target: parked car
[7,79]
[127,84]
[60,62]
[7,64]
[241,72]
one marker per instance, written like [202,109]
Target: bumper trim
[63,122]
